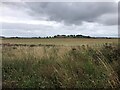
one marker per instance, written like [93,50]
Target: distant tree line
[61,36]
[71,36]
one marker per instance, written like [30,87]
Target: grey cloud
[22,26]
[18,29]
[73,13]
[119,13]
[70,13]
[108,19]
[18,5]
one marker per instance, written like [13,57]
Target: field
[60,63]
[61,41]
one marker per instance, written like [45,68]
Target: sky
[34,19]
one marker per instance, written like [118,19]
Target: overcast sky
[53,18]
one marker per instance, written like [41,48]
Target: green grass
[61,67]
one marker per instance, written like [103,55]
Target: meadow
[60,41]
[60,63]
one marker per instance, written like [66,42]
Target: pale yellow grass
[60,41]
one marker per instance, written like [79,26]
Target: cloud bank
[51,18]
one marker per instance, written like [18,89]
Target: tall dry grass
[61,66]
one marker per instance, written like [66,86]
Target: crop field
[60,63]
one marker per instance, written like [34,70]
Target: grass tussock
[61,67]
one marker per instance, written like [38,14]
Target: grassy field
[61,41]
[67,63]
